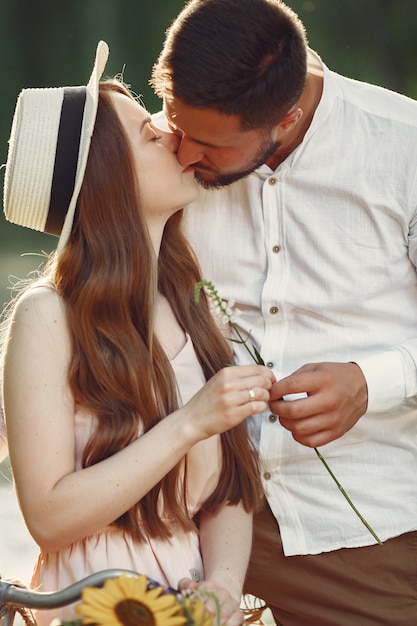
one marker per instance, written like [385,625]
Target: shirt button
[270,364]
[272,181]
[272,418]
[273,310]
[267,475]
[276,249]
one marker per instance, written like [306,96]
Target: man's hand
[337,396]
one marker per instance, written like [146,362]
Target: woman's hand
[228,398]
[230,612]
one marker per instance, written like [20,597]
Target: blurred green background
[46,43]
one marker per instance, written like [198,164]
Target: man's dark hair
[240,57]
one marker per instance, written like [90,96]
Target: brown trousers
[370,586]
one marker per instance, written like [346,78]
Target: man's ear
[288,122]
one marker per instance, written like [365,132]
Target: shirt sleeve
[391,376]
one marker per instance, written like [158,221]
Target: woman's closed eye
[155,132]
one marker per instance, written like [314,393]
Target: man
[312,230]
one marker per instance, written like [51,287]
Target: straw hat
[48,152]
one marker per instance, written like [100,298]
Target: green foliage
[370,40]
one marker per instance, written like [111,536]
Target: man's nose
[188,152]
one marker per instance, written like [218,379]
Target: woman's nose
[171,140]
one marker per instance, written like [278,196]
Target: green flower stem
[255,355]
[345,495]
[212,292]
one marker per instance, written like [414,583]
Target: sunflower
[127,601]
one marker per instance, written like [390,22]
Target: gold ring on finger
[251,394]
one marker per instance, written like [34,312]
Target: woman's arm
[226,539]
[61,505]
[4,451]
[225,543]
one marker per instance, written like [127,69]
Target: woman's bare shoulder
[40,301]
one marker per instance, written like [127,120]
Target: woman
[123,455]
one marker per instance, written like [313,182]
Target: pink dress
[163,561]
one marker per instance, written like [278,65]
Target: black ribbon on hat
[66,157]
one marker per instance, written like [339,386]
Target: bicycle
[17,599]
[14,598]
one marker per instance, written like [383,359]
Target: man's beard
[222,180]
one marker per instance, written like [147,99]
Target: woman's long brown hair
[109,278]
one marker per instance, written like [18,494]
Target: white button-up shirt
[320,256]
